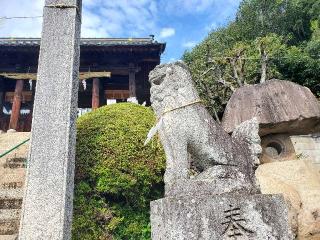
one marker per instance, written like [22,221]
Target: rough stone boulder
[299,183]
[280,107]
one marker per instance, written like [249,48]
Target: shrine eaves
[114,69]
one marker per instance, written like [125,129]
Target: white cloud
[92,26]
[126,18]
[130,18]
[167,32]
[189,44]
[115,18]
[118,18]
[21,27]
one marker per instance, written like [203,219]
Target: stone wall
[308,147]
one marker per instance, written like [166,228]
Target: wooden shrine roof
[90,42]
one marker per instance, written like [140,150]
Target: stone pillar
[16,105]
[47,204]
[132,80]
[95,93]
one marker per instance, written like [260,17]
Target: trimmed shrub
[116,176]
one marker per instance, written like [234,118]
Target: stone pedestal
[224,216]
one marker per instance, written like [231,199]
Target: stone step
[9,214]
[11,185]
[9,237]
[11,198]
[10,203]
[10,166]
[9,221]
[9,227]
[14,163]
[11,193]
[6,172]
[12,176]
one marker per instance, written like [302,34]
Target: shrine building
[111,70]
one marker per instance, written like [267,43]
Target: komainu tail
[247,134]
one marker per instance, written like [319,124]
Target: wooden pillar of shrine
[29,118]
[103,100]
[2,93]
[95,93]
[132,80]
[2,97]
[16,105]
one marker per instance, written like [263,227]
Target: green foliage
[287,18]
[268,39]
[116,176]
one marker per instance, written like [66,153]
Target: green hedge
[116,176]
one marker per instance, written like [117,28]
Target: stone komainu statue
[193,140]
[221,200]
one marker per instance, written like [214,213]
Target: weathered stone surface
[9,227]
[247,133]
[276,148]
[280,107]
[10,207]
[210,183]
[255,217]
[47,205]
[9,237]
[298,181]
[10,203]
[227,183]
[9,221]
[307,147]
[192,140]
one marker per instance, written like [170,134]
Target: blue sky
[180,23]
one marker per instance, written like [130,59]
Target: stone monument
[211,190]
[280,107]
[47,204]
[289,126]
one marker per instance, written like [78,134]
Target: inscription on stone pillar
[234,224]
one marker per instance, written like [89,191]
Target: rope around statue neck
[183,106]
[156,128]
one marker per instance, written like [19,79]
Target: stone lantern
[289,127]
